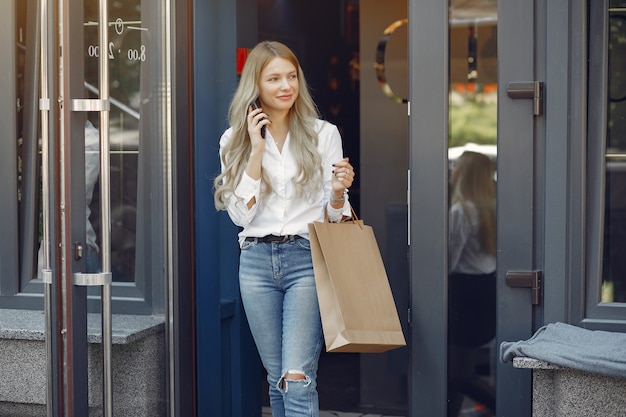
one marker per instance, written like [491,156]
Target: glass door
[453,206]
[106,150]
[472,155]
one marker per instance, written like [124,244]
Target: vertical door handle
[104,278]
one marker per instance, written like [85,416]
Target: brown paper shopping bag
[356,305]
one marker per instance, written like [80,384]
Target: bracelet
[338,200]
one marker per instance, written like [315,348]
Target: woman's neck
[279,127]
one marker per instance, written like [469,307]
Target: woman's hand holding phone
[257,120]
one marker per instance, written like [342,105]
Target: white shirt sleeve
[246,190]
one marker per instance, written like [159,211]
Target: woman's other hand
[343,177]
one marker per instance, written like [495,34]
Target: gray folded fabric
[573,347]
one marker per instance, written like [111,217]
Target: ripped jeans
[279,297]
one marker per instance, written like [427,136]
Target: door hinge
[531,89]
[526,279]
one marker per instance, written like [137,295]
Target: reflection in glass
[614,261]
[472,278]
[139,170]
[92,172]
[127,52]
[472,153]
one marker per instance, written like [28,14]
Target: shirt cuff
[336,214]
[248,188]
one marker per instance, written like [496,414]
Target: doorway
[355,55]
[337,44]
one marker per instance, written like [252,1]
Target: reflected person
[92,173]
[472,278]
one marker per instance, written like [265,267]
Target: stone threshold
[30,325]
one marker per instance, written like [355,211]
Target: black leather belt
[273,238]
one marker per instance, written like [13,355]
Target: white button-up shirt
[282,212]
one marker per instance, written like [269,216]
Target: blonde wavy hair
[475,183]
[302,117]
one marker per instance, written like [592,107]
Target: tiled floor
[268,413]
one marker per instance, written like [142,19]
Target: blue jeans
[280,300]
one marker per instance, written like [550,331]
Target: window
[606,196]
[139,154]
[614,261]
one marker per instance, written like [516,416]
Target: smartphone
[257,105]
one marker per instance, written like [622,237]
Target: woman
[273,187]
[472,243]
[472,279]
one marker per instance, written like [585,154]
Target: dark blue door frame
[228,369]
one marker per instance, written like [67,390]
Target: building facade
[118,278]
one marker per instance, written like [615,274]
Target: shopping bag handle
[354,219]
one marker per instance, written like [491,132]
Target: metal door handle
[531,89]
[104,278]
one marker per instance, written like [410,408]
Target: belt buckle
[284,238]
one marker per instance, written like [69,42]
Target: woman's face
[278,85]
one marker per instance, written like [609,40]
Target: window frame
[596,314]
[9,213]
[19,287]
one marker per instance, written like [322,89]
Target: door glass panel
[140,169]
[139,160]
[126,52]
[138,140]
[472,208]
[614,261]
